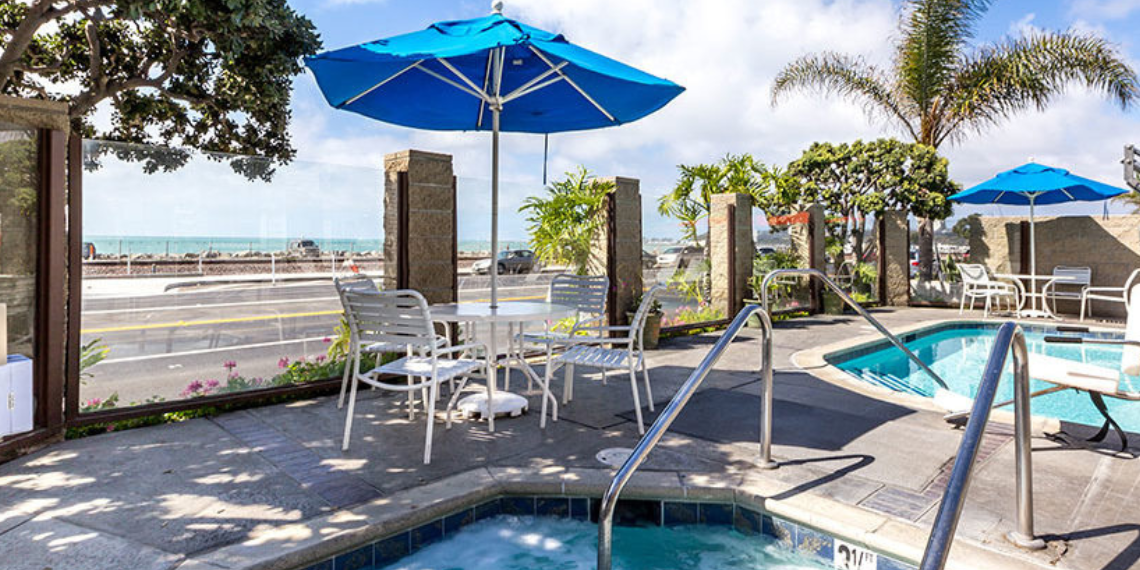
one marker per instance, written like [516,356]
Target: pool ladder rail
[1010,337]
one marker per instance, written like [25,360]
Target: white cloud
[1103,9]
[726,53]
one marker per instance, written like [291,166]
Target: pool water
[958,354]
[531,543]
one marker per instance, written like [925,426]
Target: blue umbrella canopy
[1032,184]
[451,75]
[491,73]
[1036,184]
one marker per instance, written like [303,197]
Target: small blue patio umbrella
[1035,184]
[491,73]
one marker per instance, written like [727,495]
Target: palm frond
[1029,72]
[934,33]
[848,77]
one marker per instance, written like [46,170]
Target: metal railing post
[655,432]
[1009,338]
[765,286]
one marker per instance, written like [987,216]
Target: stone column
[808,242]
[731,250]
[419,224]
[894,258]
[617,248]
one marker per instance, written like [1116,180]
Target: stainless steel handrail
[1010,338]
[764,288]
[657,430]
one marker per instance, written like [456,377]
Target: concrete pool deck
[237,490]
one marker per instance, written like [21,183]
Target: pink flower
[302,359]
[229,365]
[326,340]
[320,358]
[93,403]
[283,363]
[211,384]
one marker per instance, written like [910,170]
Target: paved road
[161,343]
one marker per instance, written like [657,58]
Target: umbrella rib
[464,78]
[516,94]
[379,85]
[486,81]
[580,91]
[525,88]
[462,88]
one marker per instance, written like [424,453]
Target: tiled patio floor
[159,497]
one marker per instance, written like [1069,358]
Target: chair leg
[567,384]
[962,305]
[344,379]
[636,401]
[648,389]
[1084,301]
[351,411]
[433,393]
[490,396]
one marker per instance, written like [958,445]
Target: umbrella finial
[497,6]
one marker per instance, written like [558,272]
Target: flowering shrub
[687,314]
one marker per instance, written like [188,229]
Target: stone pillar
[894,258]
[617,248]
[808,242]
[419,224]
[731,250]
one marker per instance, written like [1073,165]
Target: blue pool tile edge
[745,520]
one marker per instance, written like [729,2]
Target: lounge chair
[1113,294]
[1097,381]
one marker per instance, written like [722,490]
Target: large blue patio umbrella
[1035,184]
[491,73]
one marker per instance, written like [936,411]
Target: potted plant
[651,334]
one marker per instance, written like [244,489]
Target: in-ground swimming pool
[530,543]
[958,353]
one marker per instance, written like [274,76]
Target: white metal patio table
[1034,292]
[507,313]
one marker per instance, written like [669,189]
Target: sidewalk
[261,480]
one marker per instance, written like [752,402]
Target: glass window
[19,197]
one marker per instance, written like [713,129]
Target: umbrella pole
[494,206]
[1033,252]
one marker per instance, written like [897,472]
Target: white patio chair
[360,282]
[977,284]
[1070,287]
[610,353]
[586,294]
[1097,381]
[402,318]
[1112,294]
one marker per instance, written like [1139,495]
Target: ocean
[177,246]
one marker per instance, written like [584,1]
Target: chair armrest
[1083,340]
[617,328]
[1103,290]
[574,340]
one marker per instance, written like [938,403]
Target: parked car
[679,256]
[765,250]
[510,261]
[304,248]
[648,260]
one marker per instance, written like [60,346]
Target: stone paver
[218,492]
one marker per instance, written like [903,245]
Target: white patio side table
[509,313]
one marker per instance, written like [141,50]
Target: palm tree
[940,88]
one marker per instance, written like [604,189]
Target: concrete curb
[292,546]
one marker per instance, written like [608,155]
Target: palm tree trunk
[925,249]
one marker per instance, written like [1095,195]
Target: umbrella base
[505,404]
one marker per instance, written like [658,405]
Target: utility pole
[1132,167]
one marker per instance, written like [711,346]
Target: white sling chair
[1098,381]
[625,352]
[1113,294]
[586,294]
[977,284]
[401,318]
[360,282]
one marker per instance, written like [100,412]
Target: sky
[725,52]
